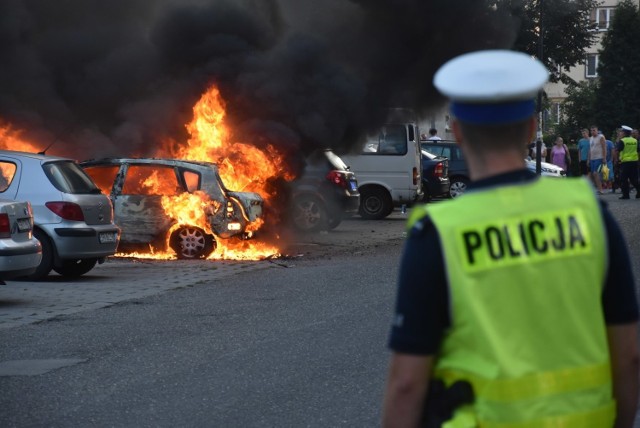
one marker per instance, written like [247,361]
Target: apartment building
[601,18]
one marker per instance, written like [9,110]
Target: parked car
[20,251]
[459,173]
[324,194]
[435,175]
[140,215]
[73,219]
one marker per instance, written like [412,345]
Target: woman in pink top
[560,154]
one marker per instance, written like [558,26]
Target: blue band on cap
[493,114]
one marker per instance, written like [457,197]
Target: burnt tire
[46,264]
[375,203]
[75,268]
[191,243]
[309,214]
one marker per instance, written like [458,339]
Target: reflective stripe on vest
[629,152]
[543,259]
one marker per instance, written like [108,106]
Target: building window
[601,18]
[592,65]
[554,113]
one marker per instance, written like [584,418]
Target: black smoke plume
[105,78]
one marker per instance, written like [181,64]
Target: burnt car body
[140,214]
[324,194]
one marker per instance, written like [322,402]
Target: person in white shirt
[433,135]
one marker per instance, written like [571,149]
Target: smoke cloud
[115,78]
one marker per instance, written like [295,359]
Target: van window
[7,172]
[392,140]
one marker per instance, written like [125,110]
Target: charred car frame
[136,188]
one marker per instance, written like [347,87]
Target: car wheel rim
[192,242]
[308,214]
[457,188]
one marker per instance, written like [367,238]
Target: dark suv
[458,171]
[324,194]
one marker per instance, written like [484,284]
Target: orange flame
[10,139]
[242,167]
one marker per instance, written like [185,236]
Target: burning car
[177,204]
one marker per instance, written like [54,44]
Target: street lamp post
[539,110]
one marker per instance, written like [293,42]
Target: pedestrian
[583,152]
[433,135]
[628,157]
[597,155]
[516,302]
[608,181]
[560,154]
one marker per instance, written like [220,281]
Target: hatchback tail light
[416,176]
[5,226]
[438,170]
[338,178]
[66,210]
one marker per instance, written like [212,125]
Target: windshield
[68,177]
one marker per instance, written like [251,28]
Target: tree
[618,95]
[579,109]
[566,36]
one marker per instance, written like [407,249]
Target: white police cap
[626,128]
[491,86]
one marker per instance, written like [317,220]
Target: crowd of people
[609,165]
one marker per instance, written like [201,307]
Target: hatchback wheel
[75,268]
[458,187]
[191,243]
[309,214]
[375,203]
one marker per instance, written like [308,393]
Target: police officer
[522,288]
[628,158]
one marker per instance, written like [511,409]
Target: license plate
[107,237]
[24,224]
[354,185]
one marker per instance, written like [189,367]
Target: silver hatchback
[20,251]
[73,219]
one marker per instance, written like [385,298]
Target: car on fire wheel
[191,243]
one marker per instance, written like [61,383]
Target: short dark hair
[433,131]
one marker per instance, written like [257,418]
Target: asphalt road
[293,342]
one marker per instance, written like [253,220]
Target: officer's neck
[487,164]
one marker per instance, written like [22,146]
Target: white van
[388,168]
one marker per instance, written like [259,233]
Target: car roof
[37,156]
[150,161]
[436,142]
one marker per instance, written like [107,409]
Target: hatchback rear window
[68,177]
[7,172]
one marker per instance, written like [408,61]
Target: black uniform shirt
[422,306]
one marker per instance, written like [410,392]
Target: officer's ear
[457,132]
[532,125]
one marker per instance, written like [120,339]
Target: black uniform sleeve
[421,314]
[619,299]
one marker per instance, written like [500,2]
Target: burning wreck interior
[250,86]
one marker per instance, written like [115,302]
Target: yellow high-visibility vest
[525,265]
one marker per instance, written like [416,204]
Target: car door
[137,201]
